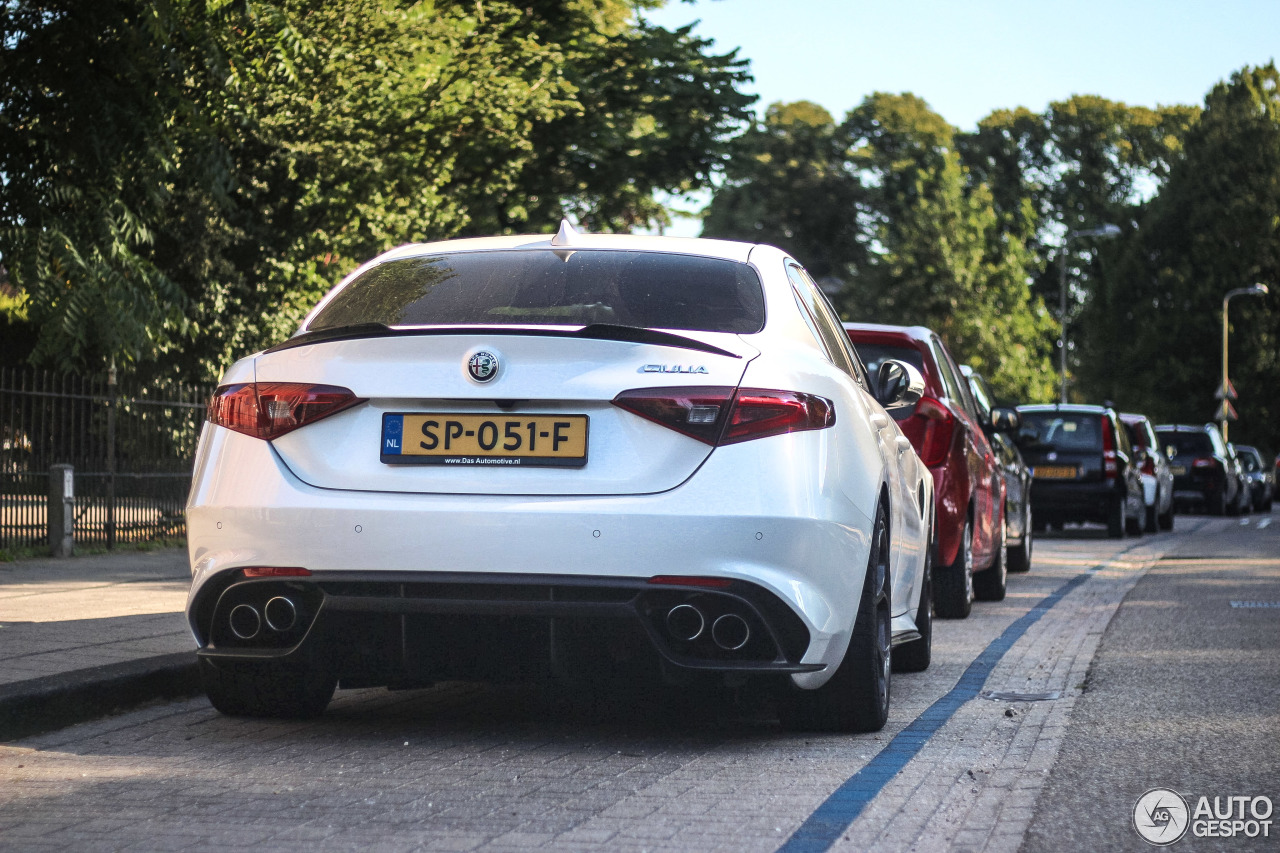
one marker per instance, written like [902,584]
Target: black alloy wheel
[856,697]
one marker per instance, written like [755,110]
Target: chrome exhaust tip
[730,632]
[280,613]
[244,621]
[685,622]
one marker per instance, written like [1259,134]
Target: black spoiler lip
[594,331]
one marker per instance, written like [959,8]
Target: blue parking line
[834,816]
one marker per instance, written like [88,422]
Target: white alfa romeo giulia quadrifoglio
[529,457]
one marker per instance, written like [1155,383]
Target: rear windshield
[546,288]
[1187,443]
[1062,431]
[874,355]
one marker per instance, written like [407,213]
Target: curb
[39,705]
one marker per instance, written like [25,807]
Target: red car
[945,428]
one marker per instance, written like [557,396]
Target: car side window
[950,381]
[842,337]
[980,397]
[829,332]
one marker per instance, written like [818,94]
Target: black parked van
[1083,467]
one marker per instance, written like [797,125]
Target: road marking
[1266,522]
[822,828]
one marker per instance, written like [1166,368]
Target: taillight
[268,410]
[718,415]
[1110,462]
[1149,466]
[276,572]
[688,580]
[930,430]
[1204,462]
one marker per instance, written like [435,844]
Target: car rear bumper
[1059,502]
[249,510]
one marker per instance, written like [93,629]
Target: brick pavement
[461,768]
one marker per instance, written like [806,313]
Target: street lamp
[1225,391]
[1107,231]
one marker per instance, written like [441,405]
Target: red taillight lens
[276,572]
[717,416]
[758,413]
[1149,466]
[268,410]
[695,412]
[683,580]
[1204,462]
[930,430]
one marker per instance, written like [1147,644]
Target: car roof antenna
[566,236]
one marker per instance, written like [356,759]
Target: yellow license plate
[467,439]
[1054,472]
[1177,470]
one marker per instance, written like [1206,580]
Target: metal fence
[131,445]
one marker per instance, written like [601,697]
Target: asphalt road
[1184,694]
[1106,671]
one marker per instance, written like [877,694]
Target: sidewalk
[83,636]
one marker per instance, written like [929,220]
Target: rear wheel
[953,584]
[1116,520]
[1153,521]
[1133,524]
[990,584]
[856,697]
[1019,559]
[1166,519]
[916,655]
[253,689]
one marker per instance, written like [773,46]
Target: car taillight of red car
[930,430]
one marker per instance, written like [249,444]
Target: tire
[856,697]
[1166,520]
[240,689]
[991,583]
[1217,503]
[1153,522]
[953,584]
[1117,519]
[916,655]
[1019,558]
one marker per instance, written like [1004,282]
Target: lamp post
[1108,231]
[1256,290]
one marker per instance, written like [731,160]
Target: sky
[967,58]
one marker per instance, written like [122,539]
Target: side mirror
[898,385]
[1005,420]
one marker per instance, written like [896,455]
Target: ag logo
[1161,816]
[482,366]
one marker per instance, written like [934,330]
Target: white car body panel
[790,513]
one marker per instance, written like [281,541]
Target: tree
[787,185]
[1215,226]
[941,258]
[183,178]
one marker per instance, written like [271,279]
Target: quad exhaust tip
[244,621]
[730,632]
[685,622]
[280,613]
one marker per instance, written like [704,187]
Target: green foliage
[1214,227]
[883,205]
[184,178]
